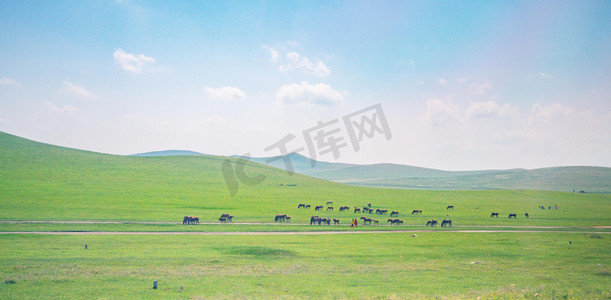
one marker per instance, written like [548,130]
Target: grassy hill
[168,153]
[590,179]
[45,182]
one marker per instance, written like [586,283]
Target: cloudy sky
[463,84]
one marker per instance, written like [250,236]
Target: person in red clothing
[356,222]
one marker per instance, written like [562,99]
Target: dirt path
[287,233]
[281,224]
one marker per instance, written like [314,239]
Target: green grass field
[41,182]
[445,265]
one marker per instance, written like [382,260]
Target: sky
[461,85]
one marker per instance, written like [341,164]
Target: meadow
[40,182]
[394,265]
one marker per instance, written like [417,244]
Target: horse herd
[316,220]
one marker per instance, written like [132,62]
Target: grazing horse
[335,222]
[526,215]
[344,208]
[329,202]
[369,204]
[494,215]
[318,207]
[185,220]
[431,223]
[230,218]
[301,205]
[190,220]
[512,215]
[225,215]
[395,221]
[357,209]
[416,211]
[394,213]
[329,208]
[280,218]
[381,211]
[308,206]
[450,207]
[376,222]
[223,220]
[314,219]
[446,223]
[366,220]
[288,219]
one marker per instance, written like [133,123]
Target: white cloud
[480,88]
[66,109]
[9,81]
[540,113]
[291,60]
[296,61]
[322,94]
[229,93]
[462,79]
[440,112]
[479,110]
[77,90]
[131,62]
[442,81]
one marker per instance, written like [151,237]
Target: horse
[376,222]
[223,220]
[431,223]
[394,213]
[308,206]
[369,204]
[394,221]
[446,223]
[288,219]
[185,220]
[318,207]
[335,222]
[366,220]
[526,215]
[357,209]
[301,205]
[416,211]
[280,218]
[344,208]
[450,207]
[329,202]
[224,215]
[314,219]
[329,208]
[190,220]
[512,215]
[494,214]
[230,218]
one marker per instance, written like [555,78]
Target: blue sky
[463,84]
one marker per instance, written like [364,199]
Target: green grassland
[45,182]
[444,265]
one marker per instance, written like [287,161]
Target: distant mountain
[168,153]
[589,179]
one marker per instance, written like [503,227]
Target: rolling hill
[589,179]
[168,153]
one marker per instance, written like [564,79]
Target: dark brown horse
[366,220]
[301,205]
[329,208]
[357,209]
[314,220]
[446,223]
[431,223]
[512,215]
[526,215]
[308,206]
[416,211]
[494,215]
[280,218]
[344,208]
[394,213]
[335,222]
[318,207]
[450,207]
